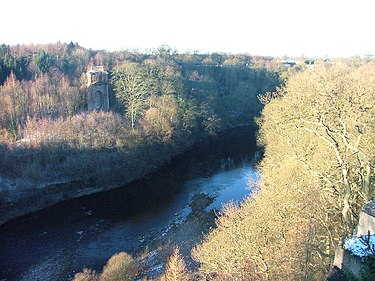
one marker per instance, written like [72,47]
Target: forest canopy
[316,174]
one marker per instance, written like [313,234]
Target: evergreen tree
[43,61]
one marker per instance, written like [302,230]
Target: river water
[54,243]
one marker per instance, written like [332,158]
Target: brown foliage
[175,268]
[86,275]
[51,147]
[317,171]
[49,95]
[94,130]
[120,267]
[160,119]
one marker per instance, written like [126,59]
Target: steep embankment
[109,169]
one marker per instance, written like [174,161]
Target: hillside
[55,145]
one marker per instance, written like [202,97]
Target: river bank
[176,204]
[20,197]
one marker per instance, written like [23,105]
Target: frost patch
[363,246]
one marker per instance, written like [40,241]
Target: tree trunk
[347,186]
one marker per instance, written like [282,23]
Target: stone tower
[97,84]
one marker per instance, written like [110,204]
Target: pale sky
[257,27]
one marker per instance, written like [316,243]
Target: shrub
[175,269]
[86,275]
[120,267]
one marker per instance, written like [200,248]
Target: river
[175,204]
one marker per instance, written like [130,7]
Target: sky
[324,28]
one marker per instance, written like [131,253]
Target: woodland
[316,125]
[162,100]
[317,131]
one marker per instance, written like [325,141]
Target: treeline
[38,82]
[160,103]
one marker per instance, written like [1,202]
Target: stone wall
[355,257]
[367,220]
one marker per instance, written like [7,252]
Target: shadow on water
[86,231]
